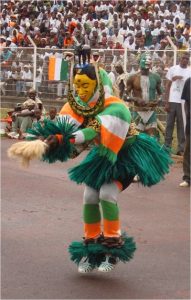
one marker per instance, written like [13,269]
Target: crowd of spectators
[107,24]
[53,25]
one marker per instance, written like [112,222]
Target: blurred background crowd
[109,27]
[107,24]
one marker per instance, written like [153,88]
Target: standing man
[121,79]
[176,77]
[186,156]
[142,89]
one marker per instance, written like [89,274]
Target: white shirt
[27,75]
[127,45]
[111,75]
[177,85]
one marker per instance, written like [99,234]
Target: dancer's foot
[85,266]
[108,265]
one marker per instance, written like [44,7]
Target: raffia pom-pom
[27,150]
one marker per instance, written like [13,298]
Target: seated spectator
[180,44]
[6,57]
[148,38]
[22,118]
[179,37]
[12,46]
[68,40]
[52,115]
[2,43]
[38,118]
[129,42]
[163,44]
[155,45]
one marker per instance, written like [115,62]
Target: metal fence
[23,68]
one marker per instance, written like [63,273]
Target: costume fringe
[144,157]
[63,151]
[94,170]
[96,252]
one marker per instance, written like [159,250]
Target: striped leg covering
[96,247]
[108,199]
[91,214]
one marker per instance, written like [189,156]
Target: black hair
[88,70]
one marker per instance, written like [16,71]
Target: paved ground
[41,215]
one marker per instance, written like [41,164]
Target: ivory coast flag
[57,68]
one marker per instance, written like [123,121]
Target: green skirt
[142,155]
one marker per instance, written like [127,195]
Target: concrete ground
[41,215]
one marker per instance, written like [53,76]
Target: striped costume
[114,123]
[118,154]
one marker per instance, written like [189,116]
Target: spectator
[22,119]
[121,79]
[38,78]
[68,40]
[186,156]
[99,24]
[53,114]
[155,44]
[176,77]
[129,42]
[148,38]
[19,83]
[27,77]
[111,74]
[143,89]
[2,43]
[125,16]
[38,118]
[12,46]
[6,57]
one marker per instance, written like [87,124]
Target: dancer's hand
[52,142]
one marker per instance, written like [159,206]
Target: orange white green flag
[57,68]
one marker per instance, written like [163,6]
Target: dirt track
[41,215]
